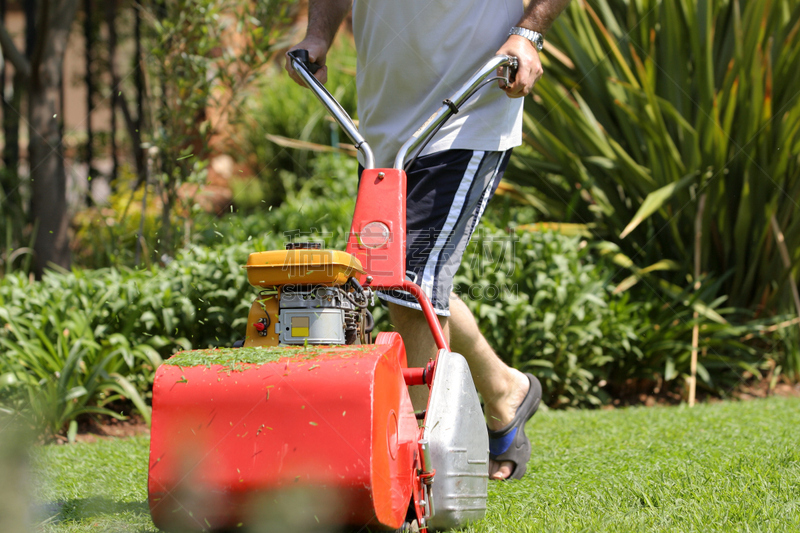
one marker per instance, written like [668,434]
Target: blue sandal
[510,443]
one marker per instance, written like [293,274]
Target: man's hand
[530,67]
[317,52]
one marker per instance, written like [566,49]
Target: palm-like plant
[650,109]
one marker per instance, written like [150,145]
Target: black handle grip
[302,56]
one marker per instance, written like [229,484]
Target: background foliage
[655,105]
[550,307]
[584,271]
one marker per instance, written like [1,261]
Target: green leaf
[127,389]
[75,392]
[655,200]
[669,370]
[72,432]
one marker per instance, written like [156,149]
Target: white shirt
[412,54]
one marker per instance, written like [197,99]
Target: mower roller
[309,425]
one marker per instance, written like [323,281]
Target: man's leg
[446,195]
[419,344]
[502,388]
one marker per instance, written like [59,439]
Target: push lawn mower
[309,425]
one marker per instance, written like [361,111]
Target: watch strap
[536,38]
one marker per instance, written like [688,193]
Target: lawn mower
[309,425]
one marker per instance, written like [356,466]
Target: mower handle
[452,104]
[306,69]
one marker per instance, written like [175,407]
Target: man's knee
[400,314]
[406,318]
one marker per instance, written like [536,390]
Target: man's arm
[324,19]
[538,16]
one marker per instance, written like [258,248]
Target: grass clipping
[237,358]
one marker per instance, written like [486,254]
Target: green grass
[718,467]
[94,487]
[732,466]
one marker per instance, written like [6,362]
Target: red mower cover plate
[378,234]
[283,437]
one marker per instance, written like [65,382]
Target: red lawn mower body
[340,424]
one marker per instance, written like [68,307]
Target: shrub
[106,235]
[319,208]
[546,303]
[57,364]
[76,341]
[202,57]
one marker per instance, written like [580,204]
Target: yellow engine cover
[301,267]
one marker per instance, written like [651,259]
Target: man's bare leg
[503,388]
[419,344]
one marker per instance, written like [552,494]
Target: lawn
[732,466]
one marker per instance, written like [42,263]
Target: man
[411,55]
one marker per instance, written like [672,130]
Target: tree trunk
[11,114]
[30,7]
[111,21]
[139,82]
[49,200]
[89,38]
[133,124]
[12,200]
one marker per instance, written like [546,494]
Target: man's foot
[506,416]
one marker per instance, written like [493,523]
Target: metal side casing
[459,443]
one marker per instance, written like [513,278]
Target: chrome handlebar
[449,107]
[453,103]
[300,65]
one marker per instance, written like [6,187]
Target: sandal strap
[499,445]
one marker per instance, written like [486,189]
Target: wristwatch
[536,38]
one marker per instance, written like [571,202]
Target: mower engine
[309,296]
[320,314]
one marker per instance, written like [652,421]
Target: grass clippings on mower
[239,359]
